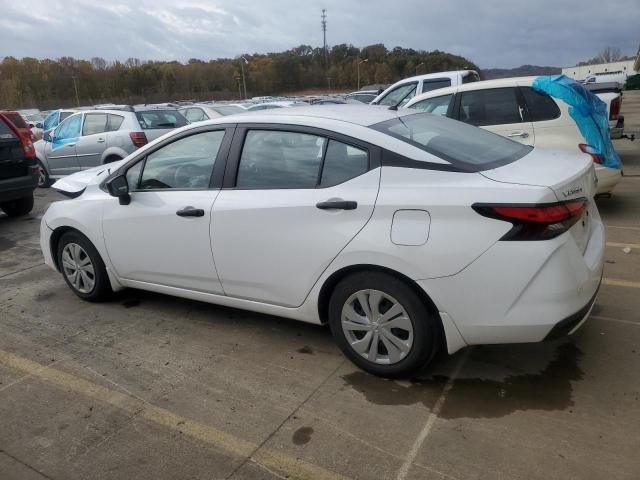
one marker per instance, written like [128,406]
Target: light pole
[76,89]
[418,66]
[360,62]
[244,81]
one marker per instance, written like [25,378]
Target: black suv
[18,172]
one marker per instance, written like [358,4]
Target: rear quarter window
[540,106]
[17,120]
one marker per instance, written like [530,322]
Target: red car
[18,168]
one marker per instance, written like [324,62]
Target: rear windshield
[462,145]
[6,133]
[161,119]
[227,109]
[17,120]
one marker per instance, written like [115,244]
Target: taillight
[139,139]
[589,150]
[535,222]
[29,149]
[614,109]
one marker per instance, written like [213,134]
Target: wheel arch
[55,239]
[330,283]
[112,153]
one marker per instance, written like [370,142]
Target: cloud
[491,33]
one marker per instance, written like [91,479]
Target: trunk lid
[570,176]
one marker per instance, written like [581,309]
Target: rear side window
[16,119]
[275,159]
[540,106]
[94,123]
[160,119]
[429,85]
[6,133]
[343,162]
[464,146]
[495,106]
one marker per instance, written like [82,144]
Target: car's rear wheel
[18,207]
[382,325]
[82,267]
[43,176]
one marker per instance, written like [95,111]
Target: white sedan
[511,108]
[405,232]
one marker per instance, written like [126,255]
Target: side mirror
[39,125]
[118,187]
[47,137]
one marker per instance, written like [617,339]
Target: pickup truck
[611,94]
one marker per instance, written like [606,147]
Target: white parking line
[431,420]
[622,245]
[615,282]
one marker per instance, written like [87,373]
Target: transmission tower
[324,36]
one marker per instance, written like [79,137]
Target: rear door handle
[190,212]
[518,134]
[337,205]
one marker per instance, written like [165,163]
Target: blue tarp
[587,110]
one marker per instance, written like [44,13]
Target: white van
[619,77]
[398,94]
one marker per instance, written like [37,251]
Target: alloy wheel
[78,268]
[42,176]
[377,327]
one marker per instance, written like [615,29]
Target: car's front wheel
[82,267]
[44,180]
[382,325]
[19,207]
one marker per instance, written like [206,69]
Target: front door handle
[190,212]
[337,205]
[518,134]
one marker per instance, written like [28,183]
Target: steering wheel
[184,174]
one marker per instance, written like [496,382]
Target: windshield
[462,145]
[227,109]
[161,119]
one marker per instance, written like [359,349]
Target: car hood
[76,183]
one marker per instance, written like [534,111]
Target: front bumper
[45,244]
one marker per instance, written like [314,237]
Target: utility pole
[324,36]
[359,63]
[244,81]
[75,86]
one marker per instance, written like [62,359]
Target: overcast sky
[491,33]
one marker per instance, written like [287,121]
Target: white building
[628,67]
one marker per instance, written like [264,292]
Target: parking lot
[148,386]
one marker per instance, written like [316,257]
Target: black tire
[44,181]
[426,328]
[19,207]
[102,287]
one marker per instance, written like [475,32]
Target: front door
[61,150]
[499,110]
[297,199]
[162,236]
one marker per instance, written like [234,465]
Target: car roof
[428,76]
[481,85]
[364,115]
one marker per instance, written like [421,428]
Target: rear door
[61,151]
[499,110]
[93,141]
[295,198]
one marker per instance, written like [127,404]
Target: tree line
[46,84]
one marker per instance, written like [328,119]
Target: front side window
[399,95]
[428,85]
[51,120]
[70,128]
[496,106]
[276,159]
[466,147]
[540,106]
[186,163]
[435,105]
[94,123]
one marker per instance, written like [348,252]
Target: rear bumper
[519,292]
[19,187]
[573,322]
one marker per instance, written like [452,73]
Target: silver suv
[93,137]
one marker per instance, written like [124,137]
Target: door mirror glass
[47,137]
[118,187]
